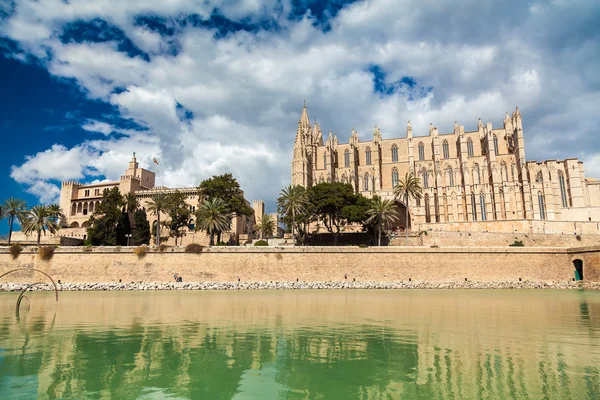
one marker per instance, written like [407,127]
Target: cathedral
[467,177]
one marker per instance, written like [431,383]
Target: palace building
[467,177]
[78,202]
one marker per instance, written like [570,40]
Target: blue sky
[211,87]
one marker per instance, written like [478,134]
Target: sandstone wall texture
[317,264]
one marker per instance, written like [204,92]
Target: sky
[208,87]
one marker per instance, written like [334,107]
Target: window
[366,182]
[563,189]
[394,177]
[495,144]
[96,192]
[394,153]
[542,205]
[325,160]
[539,177]
[347,159]
[476,175]
[473,207]
[482,205]
[504,172]
[86,193]
[427,211]
[450,177]
[424,179]
[513,167]
[446,150]
[421,151]
[368,156]
[470,148]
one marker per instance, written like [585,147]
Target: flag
[155,161]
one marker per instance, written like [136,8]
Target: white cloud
[245,91]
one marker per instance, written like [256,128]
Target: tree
[336,204]
[158,203]
[266,226]
[179,214]
[226,188]
[123,229]
[56,212]
[105,219]
[11,209]
[213,216]
[39,219]
[141,228]
[383,212]
[292,201]
[408,188]
[131,202]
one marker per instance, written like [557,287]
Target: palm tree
[382,211]
[293,200]
[407,188]
[39,219]
[158,203]
[56,212]
[132,203]
[213,216]
[11,209]
[265,226]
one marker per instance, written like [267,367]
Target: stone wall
[306,264]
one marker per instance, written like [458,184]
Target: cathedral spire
[304,120]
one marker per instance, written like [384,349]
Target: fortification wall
[305,264]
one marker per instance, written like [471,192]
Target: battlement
[71,184]
[130,177]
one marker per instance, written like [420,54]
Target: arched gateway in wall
[401,222]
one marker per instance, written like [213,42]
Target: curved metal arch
[37,270]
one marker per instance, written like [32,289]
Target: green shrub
[141,251]
[517,243]
[261,243]
[118,249]
[221,244]
[363,246]
[46,253]
[15,250]
[194,248]
[88,249]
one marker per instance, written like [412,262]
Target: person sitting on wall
[178,278]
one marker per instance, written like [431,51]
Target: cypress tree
[141,228]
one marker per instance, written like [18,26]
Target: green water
[349,344]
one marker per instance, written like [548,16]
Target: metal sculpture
[22,295]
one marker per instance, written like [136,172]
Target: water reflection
[297,345]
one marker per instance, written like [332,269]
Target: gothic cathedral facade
[475,176]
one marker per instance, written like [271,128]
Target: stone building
[467,177]
[78,202]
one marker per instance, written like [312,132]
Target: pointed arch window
[368,156]
[347,158]
[476,174]
[421,151]
[496,151]
[542,205]
[539,177]
[473,207]
[394,177]
[427,210]
[513,167]
[394,153]
[482,205]
[424,179]
[366,182]
[504,172]
[563,189]
[325,160]
[470,148]
[450,176]
[446,149]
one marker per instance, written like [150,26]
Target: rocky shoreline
[110,286]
